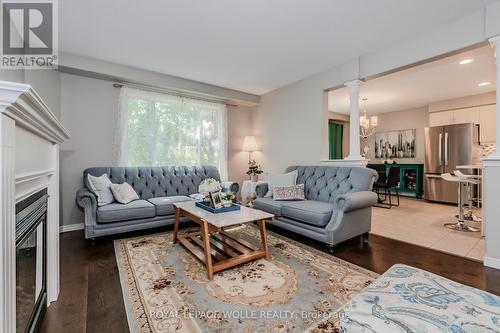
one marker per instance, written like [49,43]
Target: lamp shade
[363,121]
[249,143]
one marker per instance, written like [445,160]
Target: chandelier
[367,125]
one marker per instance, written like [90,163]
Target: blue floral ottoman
[407,299]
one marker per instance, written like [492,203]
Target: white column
[53,231]
[7,226]
[491,181]
[354,141]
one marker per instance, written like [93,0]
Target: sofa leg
[92,241]
[330,248]
[365,237]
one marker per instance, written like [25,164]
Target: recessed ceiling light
[466,61]
[483,84]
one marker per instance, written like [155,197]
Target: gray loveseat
[158,188]
[337,206]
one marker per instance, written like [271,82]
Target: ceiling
[253,46]
[419,86]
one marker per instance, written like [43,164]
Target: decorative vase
[254,178]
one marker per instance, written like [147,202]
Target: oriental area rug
[299,289]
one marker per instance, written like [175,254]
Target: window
[158,129]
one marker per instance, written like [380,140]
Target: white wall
[47,83]
[290,123]
[392,121]
[239,125]
[14,75]
[89,113]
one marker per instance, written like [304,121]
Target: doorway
[456,91]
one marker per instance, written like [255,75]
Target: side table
[248,191]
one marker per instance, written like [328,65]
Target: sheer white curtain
[121,148]
[160,129]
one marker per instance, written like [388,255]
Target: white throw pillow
[100,187]
[286,179]
[124,193]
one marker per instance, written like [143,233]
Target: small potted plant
[254,170]
[227,198]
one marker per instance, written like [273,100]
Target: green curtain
[335,134]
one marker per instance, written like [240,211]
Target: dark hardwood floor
[91,298]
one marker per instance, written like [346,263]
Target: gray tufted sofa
[158,188]
[337,206]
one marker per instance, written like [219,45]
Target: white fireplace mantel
[30,135]
[22,103]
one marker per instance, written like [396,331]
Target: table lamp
[249,145]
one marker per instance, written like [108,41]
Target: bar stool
[473,202]
[464,199]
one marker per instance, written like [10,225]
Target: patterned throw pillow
[295,192]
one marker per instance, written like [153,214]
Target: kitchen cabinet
[440,118]
[484,115]
[487,123]
[452,117]
[465,116]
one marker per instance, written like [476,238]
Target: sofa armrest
[85,198]
[261,189]
[356,200]
[88,201]
[230,186]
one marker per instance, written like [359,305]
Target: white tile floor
[421,223]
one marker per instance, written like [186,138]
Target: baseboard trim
[71,227]
[492,262]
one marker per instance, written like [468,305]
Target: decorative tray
[232,208]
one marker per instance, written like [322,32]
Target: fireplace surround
[30,136]
[31,261]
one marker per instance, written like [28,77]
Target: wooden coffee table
[213,246]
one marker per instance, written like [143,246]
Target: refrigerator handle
[446,148]
[439,150]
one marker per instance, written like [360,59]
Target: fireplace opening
[31,262]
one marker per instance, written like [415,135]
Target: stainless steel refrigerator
[445,148]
